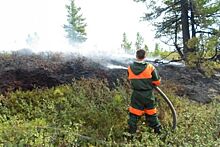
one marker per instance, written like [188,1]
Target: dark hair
[140,54]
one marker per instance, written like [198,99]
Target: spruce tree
[139,41]
[126,45]
[76,27]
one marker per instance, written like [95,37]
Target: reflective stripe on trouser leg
[136,111]
[132,123]
[150,111]
[151,117]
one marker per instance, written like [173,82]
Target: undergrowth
[88,113]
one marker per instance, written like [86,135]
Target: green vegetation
[139,44]
[163,54]
[87,111]
[76,27]
[207,67]
[191,26]
[139,41]
[126,45]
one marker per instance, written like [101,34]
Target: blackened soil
[29,72]
[25,73]
[191,83]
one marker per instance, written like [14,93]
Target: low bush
[87,112]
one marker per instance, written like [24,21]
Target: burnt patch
[191,83]
[33,73]
[29,72]
[26,80]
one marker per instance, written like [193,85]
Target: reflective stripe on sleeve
[157,83]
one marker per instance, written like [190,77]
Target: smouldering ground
[29,72]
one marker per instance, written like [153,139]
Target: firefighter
[143,77]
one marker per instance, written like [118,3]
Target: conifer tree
[126,45]
[191,26]
[139,41]
[76,27]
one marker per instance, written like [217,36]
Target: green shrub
[88,113]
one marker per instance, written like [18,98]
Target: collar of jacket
[142,62]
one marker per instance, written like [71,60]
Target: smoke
[38,26]
[24,18]
[31,26]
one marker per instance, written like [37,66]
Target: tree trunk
[185,26]
[176,39]
[192,18]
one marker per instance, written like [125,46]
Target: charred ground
[37,71]
[29,72]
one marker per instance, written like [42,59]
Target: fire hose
[170,106]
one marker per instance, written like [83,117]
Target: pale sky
[106,20]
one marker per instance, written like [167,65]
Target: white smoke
[37,26]
[20,19]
